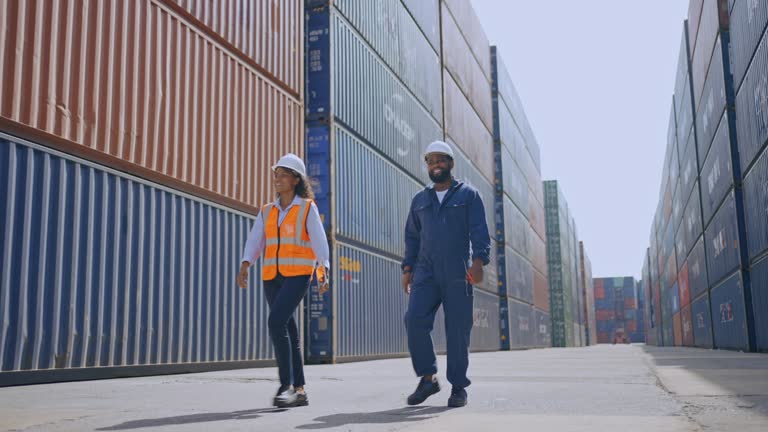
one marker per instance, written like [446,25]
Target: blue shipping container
[698,279]
[722,242]
[378,223]
[759,285]
[710,109]
[752,108]
[728,314]
[747,25]
[689,172]
[362,279]
[717,172]
[692,219]
[755,205]
[121,272]
[701,316]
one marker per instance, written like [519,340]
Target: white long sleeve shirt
[254,247]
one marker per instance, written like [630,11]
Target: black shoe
[458,398]
[424,390]
[302,399]
[280,391]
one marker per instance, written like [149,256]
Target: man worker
[446,223]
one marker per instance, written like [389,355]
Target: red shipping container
[631,326]
[599,288]
[604,315]
[677,329]
[604,338]
[630,303]
[140,88]
[267,33]
[684,286]
[540,291]
[687,326]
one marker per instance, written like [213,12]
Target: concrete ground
[626,388]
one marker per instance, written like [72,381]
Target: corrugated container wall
[143,87]
[270,33]
[126,272]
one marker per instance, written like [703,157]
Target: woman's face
[285,180]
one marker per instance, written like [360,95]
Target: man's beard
[441,178]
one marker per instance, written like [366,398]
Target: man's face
[439,167]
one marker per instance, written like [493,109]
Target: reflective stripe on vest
[288,249]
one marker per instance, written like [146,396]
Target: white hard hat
[439,147]
[293,162]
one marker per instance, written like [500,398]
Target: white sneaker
[287,399]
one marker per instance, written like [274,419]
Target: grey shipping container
[759,283]
[710,109]
[717,172]
[519,276]
[517,230]
[748,23]
[396,37]
[468,74]
[752,108]
[514,182]
[702,49]
[722,242]
[366,97]
[522,325]
[126,273]
[755,205]
[701,316]
[729,320]
[472,31]
[689,172]
[427,15]
[698,279]
[543,326]
[465,128]
[692,219]
[486,334]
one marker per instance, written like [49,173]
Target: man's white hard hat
[439,147]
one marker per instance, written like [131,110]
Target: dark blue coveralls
[437,248]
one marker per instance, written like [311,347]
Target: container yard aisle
[604,387]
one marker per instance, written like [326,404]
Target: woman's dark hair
[304,188]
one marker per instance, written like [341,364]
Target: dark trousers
[456,297]
[283,295]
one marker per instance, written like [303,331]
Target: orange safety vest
[288,250]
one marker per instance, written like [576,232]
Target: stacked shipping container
[618,310]
[563,265]
[719,111]
[166,127]
[519,216]
[588,294]
[150,127]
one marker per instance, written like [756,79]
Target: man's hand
[475,275]
[242,275]
[406,281]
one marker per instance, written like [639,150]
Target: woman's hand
[242,275]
